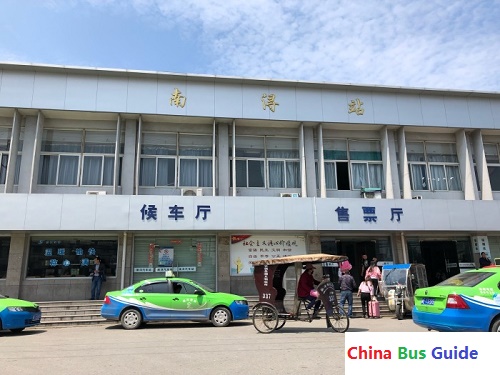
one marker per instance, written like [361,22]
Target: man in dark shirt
[347,286]
[484,261]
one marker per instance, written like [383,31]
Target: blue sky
[447,44]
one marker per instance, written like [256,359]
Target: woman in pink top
[365,290]
[373,272]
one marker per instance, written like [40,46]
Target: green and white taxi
[17,314]
[468,302]
[172,299]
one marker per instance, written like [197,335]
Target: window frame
[81,162]
[429,166]
[336,157]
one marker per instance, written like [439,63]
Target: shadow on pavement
[191,324]
[7,333]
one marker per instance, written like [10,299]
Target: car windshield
[466,279]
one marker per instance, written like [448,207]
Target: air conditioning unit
[96,192]
[371,193]
[417,197]
[192,192]
[289,195]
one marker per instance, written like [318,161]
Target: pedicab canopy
[269,273]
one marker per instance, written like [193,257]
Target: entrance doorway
[440,259]
[354,250]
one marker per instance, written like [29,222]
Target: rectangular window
[70,257]
[250,161]
[77,158]
[170,157]
[369,173]
[4,256]
[353,163]
[364,150]
[283,162]
[335,150]
[433,166]
[60,157]
[158,171]
[195,160]
[98,158]
[494,173]
[493,162]
[4,160]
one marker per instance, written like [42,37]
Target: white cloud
[433,43]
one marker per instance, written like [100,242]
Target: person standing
[347,286]
[364,266]
[373,272]
[306,285]
[97,274]
[366,292]
[484,260]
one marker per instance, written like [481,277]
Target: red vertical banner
[199,254]
[151,254]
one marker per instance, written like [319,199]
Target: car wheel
[17,330]
[131,319]
[221,317]
[495,327]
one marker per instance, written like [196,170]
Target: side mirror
[199,292]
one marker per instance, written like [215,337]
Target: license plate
[428,301]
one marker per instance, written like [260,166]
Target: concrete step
[70,312]
[89,312]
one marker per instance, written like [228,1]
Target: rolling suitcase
[373,309]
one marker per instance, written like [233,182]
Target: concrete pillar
[481,166]
[310,162]
[25,173]
[35,162]
[14,148]
[314,247]
[388,160]
[321,163]
[302,162]
[116,174]
[128,164]
[466,168]
[223,159]
[15,265]
[404,171]
[223,264]
[399,248]
[313,243]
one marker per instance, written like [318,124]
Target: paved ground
[188,348]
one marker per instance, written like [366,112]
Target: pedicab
[269,314]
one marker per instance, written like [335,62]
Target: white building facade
[204,174]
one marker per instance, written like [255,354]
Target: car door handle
[142,298]
[176,299]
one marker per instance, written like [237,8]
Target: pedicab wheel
[337,320]
[281,323]
[265,318]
